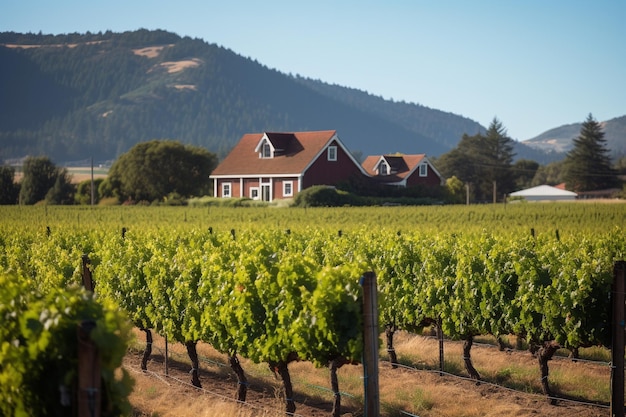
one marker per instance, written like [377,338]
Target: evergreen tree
[588,164]
[499,158]
[62,192]
[9,189]
[480,160]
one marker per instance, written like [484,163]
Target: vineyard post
[370,341]
[87,278]
[440,340]
[89,372]
[165,360]
[617,343]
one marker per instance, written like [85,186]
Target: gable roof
[400,166]
[294,152]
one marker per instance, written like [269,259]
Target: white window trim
[290,193]
[258,193]
[423,170]
[227,186]
[266,145]
[266,183]
[383,168]
[332,153]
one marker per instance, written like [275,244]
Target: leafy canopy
[152,170]
[43,180]
[9,189]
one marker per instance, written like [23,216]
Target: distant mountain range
[77,96]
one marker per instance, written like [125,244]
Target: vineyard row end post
[370,345]
[617,338]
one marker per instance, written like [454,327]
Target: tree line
[161,171]
[484,164]
[480,166]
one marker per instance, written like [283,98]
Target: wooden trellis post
[370,348]
[89,372]
[617,341]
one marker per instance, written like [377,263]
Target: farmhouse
[267,166]
[402,170]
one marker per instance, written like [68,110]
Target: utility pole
[93,195]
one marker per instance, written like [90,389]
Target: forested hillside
[76,96]
[438,125]
[81,95]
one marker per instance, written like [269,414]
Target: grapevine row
[40,371]
[273,296]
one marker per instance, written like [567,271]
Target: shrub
[325,196]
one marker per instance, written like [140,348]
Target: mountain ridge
[76,96]
[560,139]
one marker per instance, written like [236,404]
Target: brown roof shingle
[297,151]
[401,166]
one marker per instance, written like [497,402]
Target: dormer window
[266,150]
[383,169]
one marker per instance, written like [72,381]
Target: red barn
[403,170]
[268,166]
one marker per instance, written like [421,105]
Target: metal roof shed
[545,193]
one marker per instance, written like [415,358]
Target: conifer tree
[588,164]
[499,154]
[481,159]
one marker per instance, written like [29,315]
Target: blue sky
[533,64]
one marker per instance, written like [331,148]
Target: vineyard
[278,285]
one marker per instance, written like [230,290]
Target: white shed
[545,192]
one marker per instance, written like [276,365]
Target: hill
[76,96]
[560,139]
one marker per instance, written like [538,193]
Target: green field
[511,219]
[268,282]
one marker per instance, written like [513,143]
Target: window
[332,153]
[226,189]
[287,188]
[254,193]
[383,169]
[266,150]
[423,170]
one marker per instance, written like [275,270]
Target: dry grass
[150,51]
[177,66]
[423,393]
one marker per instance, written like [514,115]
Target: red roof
[294,152]
[400,166]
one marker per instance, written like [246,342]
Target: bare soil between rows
[156,394]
